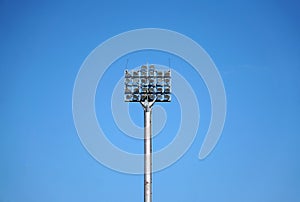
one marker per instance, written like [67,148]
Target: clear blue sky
[256,47]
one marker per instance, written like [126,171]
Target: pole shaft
[147,155]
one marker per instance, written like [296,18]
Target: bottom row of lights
[149,97]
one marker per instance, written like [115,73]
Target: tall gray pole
[147,154]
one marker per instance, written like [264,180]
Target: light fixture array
[147,84]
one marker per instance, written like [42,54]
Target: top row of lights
[147,72]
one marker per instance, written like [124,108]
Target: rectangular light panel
[147,84]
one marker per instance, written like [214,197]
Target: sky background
[256,48]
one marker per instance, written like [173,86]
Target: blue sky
[254,44]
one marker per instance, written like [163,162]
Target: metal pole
[147,154]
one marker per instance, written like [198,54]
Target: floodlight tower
[147,86]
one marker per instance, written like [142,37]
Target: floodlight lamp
[136,74]
[167,98]
[159,90]
[151,81]
[167,74]
[159,97]
[167,89]
[159,74]
[151,97]
[128,90]
[128,97]
[127,74]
